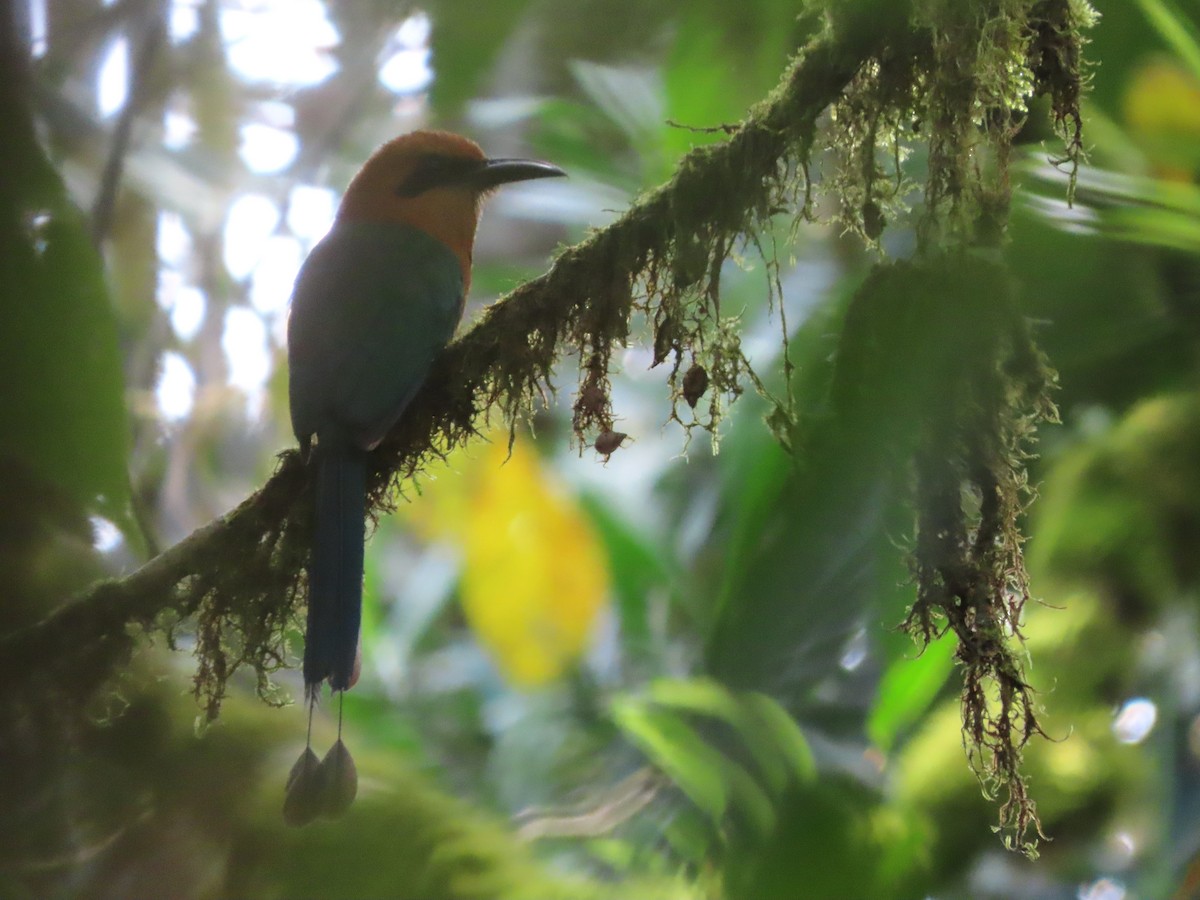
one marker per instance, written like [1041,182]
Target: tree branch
[241,575]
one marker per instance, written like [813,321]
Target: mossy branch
[241,575]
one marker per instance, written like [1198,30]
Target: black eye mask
[434,171]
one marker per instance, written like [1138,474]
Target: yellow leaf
[534,574]
[1162,107]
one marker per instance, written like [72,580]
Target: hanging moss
[939,348]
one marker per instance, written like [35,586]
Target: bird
[373,304]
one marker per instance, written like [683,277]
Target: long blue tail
[336,570]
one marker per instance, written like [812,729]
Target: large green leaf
[62,412]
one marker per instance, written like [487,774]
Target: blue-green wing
[372,306]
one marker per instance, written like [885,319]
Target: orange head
[435,181]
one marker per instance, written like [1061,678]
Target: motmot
[375,301]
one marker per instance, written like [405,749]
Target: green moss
[956,93]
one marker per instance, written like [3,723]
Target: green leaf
[723,58]
[689,836]
[907,689]
[747,797]
[1100,188]
[62,410]
[675,748]
[691,762]
[768,732]
[706,697]
[630,97]
[1155,227]
[638,568]
[466,38]
[778,725]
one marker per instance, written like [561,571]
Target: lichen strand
[940,353]
[959,92]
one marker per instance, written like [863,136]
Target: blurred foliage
[673,677]
[55,439]
[515,527]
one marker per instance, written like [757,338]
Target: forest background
[673,670]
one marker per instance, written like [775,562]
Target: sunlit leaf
[906,690]
[534,574]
